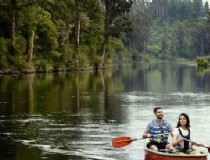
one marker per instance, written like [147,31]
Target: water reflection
[75,115]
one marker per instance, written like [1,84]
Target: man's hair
[156,108]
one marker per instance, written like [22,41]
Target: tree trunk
[13,14]
[30,50]
[103,51]
[106,30]
[77,31]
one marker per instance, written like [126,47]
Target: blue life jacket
[159,129]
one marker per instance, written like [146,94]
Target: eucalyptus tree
[115,21]
[13,7]
[206,8]
[78,22]
[198,8]
[208,30]
[184,9]
[140,21]
[87,18]
[62,17]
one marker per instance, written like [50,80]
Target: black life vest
[186,143]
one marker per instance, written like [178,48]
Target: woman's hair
[187,118]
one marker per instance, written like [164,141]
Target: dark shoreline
[28,71]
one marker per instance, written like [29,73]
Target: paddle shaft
[159,134]
[124,141]
[199,145]
[135,139]
[196,143]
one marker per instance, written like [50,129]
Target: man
[158,131]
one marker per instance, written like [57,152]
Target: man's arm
[146,133]
[170,129]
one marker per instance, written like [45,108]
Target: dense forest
[42,35]
[170,29]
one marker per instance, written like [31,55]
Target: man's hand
[147,135]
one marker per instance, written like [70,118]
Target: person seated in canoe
[181,136]
[158,131]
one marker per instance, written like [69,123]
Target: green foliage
[54,25]
[55,55]
[183,34]
[175,32]
[20,45]
[28,20]
[180,39]
[116,23]
[43,65]
[4,49]
[63,31]
[83,58]
[185,9]
[46,33]
[202,62]
[154,50]
[115,45]
[18,60]
[93,56]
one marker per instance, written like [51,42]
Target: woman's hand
[182,139]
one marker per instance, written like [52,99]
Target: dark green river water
[67,116]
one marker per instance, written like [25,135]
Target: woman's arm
[175,138]
[176,141]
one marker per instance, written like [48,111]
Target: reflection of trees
[75,92]
[30,94]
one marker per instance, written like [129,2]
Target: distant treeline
[72,34]
[169,29]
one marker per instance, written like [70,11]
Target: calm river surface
[68,116]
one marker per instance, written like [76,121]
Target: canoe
[155,155]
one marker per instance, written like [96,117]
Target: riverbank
[31,70]
[48,70]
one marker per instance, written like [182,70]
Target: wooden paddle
[125,140]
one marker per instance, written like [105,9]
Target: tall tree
[116,21]
[198,7]
[208,30]
[77,28]
[140,21]
[16,6]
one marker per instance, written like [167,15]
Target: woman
[181,136]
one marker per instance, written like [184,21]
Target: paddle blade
[121,141]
